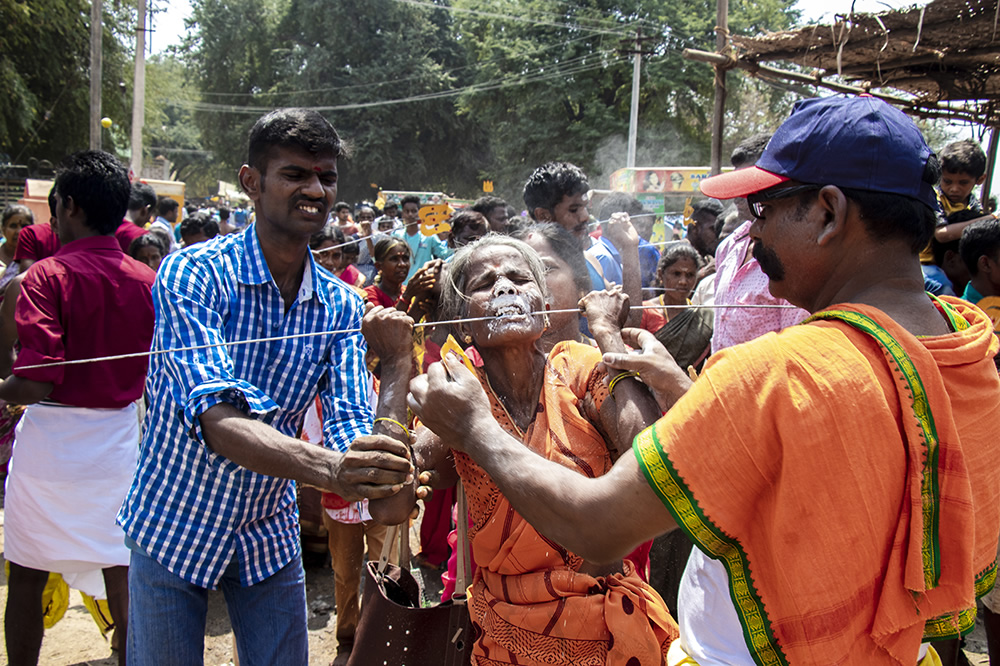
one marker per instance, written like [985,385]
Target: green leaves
[431,94]
[44,70]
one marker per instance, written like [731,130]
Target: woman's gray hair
[16,209]
[453,298]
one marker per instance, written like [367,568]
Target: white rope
[235,343]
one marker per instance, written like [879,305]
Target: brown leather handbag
[395,631]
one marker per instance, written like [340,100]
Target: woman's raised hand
[388,332]
[424,280]
[606,309]
[449,400]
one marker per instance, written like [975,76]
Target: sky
[167,26]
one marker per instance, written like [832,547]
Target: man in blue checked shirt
[212,504]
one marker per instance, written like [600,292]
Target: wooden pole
[991,165]
[719,109]
[920,109]
[139,91]
[96,66]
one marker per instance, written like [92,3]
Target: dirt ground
[76,641]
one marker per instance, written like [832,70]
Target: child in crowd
[980,250]
[198,228]
[963,166]
[329,252]
[148,249]
[342,213]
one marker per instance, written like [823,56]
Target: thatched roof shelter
[944,57]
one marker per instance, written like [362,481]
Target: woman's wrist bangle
[617,378]
[394,422]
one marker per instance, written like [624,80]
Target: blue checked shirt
[189,508]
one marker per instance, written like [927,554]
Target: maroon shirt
[127,232]
[36,242]
[89,299]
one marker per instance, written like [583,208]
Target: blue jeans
[166,616]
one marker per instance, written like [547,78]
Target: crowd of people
[805,384]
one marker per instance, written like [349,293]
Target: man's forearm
[20,391]
[262,449]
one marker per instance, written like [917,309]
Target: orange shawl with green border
[843,472]
[529,603]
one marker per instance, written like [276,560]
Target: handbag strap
[404,545]
[463,573]
[390,538]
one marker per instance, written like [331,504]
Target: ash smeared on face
[509,310]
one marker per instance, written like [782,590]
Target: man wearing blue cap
[838,473]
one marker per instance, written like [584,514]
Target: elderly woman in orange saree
[532,601]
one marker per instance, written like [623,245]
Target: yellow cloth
[991,306]
[948,208]
[100,611]
[931,658]
[786,456]
[55,602]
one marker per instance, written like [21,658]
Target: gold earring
[468,338]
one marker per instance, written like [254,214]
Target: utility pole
[139,91]
[633,121]
[719,110]
[96,67]
[633,118]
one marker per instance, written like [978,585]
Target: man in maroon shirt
[77,444]
[140,209]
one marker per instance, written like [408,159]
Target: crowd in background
[606,286]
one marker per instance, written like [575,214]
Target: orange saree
[849,489]
[529,603]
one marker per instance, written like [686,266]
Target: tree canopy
[429,94]
[439,95]
[45,74]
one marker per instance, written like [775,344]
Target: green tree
[45,73]
[254,55]
[230,54]
[581,112]
[441,94]
[368,53]
[169,129]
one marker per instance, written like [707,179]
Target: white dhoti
[69,473]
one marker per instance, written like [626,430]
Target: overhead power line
[576,68]
[377,84]
[511,17]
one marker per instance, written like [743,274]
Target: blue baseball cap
[854,142]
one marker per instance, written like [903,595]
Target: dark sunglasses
[756,201]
